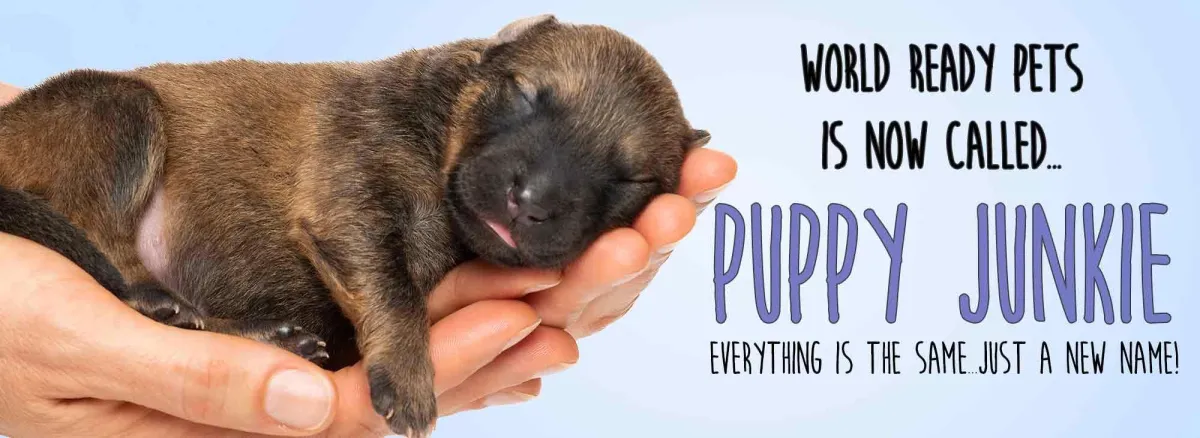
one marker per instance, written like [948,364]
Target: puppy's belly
[151,241]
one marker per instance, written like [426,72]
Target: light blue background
[1127,137]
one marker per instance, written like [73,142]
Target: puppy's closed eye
[527,94]
[637,179]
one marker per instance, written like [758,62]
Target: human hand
[590,294]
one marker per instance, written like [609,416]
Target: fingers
[460,344]
[666,221]
[614,258]
[465,341]
[520,393]
[477,281]
[546,351]
[705,173]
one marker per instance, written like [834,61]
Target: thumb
[101,348]
[215,379]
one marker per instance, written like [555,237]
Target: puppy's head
[569,132]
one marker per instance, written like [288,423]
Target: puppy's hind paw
[161,305]
[293,338]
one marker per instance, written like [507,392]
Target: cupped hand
[587,296]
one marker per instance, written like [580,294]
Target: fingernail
[523,334]
[299,399]
[634,275]
[555,369]
[542,287]
[708,196]
[666,249]
[659,259]
[507,398]
[574,316]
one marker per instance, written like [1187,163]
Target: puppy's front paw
[404,398]
[161,305]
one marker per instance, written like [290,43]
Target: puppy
[315,206]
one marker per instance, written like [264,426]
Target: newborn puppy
[315,206]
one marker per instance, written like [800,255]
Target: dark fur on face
[336,196]
[578,130]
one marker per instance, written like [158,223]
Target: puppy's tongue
[503,232]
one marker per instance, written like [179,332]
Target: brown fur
[315,195]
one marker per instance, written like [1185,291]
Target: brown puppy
[257,198]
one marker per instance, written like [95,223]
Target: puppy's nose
[525,204]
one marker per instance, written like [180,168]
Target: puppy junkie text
[1015,245]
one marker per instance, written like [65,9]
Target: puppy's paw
[405,399]
[163,306]
[293,338]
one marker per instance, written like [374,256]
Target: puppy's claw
[293,338]
[165,308]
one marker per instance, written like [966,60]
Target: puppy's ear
[698,139]
[516,29]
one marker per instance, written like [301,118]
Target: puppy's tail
[26,216]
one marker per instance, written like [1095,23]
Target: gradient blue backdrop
[1127,137]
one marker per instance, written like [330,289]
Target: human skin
[74,360]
